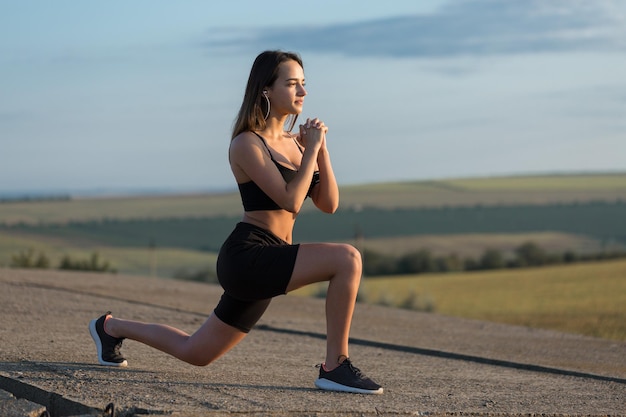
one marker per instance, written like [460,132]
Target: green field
[587,299]
[473,245]
[164,235]
[528,190]
[119,208]
[543,182]
[583,213]
[602,221]
[161,261]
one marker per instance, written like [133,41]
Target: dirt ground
[428,364]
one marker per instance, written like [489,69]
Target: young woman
[275,171]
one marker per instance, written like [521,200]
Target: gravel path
[429,364]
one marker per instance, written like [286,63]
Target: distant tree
[417,262]
[471,264]
[450,263]
[375,263]
[28,259]
[492,259]
[529,254]
[93,263]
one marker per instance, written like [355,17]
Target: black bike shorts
[253,266]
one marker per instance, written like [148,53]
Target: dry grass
[588,299]
[614,182]
[162,262]
[155,207]
[522,190]
[474,245]
[584,298]
[451,193]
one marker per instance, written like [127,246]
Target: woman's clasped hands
[313,133]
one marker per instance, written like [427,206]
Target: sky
[140,96]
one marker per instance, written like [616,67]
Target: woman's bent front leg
[341,265]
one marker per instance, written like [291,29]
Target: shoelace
[118,346]
[346,362]
[353,368]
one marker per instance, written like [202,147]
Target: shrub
[529,254]
[28,259]
[375,263]
[92,263]
[418,302]
[417,262]
[492,259]
[450,263]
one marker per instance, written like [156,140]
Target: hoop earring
[267,114]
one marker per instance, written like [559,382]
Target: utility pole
[153,257]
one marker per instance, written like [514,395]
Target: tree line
[423,261]
[374,263]
[39,260]
[597,220]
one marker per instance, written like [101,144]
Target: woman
[275,171]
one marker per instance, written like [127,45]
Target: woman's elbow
[328,207]
[291,207]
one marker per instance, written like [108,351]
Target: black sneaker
[347,378]
[108,346]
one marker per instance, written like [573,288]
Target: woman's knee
[200,355]
[351,259]
[201,360]
[194,354]
[212,340]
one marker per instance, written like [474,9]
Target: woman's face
[287,94]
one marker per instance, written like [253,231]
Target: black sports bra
[255,199]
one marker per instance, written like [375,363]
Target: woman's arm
[325,195]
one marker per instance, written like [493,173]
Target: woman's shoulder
[245,143]
[245,139]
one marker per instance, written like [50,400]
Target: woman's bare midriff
[279,222]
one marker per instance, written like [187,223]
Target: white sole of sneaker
[329,385]
[94,335]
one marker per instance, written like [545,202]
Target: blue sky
[124,96]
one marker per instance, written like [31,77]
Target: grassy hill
[171,235]
[582,213]
[497,191]
[587,299]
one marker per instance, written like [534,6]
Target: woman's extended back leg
[213,339]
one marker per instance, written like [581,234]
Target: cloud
[461,27]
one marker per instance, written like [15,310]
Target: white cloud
[470,27]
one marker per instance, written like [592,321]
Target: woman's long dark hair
[263,74]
